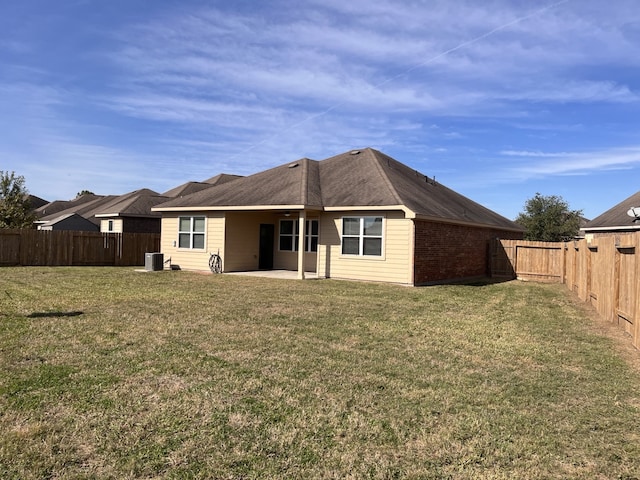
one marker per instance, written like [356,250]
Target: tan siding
[192,259]
[236,235]
[243,238]
[117,225]
[289,260]
[395,264]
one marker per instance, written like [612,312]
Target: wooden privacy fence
[57,248]
[602,270]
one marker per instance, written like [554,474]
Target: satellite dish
[634,212]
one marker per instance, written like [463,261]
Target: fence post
[636,291]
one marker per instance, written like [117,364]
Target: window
[362,236]
[110,226]
[290,235]
[191,232]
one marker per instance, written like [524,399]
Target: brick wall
[445,252]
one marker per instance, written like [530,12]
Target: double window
[191,232]
[362,236]
[290,234]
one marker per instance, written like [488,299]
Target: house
[84,206]
[363,215]
[57,206]
[131,213]
[69,221]
[621,218]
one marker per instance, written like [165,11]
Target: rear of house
[362,214]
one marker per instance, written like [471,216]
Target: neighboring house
[58,206]
[69,221]
[131,213]
[618,219]
[86,209]
[36,202]
[363,215]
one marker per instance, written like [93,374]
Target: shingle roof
[62,205]
[133,204]
[363,178]
[192,187]
[88,209]
[616,217]
[36,202]
[283,185]
[222,178]
[78,219]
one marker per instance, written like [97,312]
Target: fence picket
[58,248]
[603,271]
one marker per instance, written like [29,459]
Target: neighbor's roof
[62,218]
[358,178]
[192,187]
[133,204]
[222,178]
[616,217]
[57,206]
[88,209]
[36,202]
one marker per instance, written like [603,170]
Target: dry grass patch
[181,375]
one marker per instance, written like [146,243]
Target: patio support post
[301,240]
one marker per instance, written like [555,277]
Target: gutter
[609,229]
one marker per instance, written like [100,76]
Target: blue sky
[497,99]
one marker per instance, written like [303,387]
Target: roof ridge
[385,177]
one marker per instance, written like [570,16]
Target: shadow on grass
[471,282]
[54,314]
[488,281]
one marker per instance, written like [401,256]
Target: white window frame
[361,236]
[192,233]
[295,235]
[109,225]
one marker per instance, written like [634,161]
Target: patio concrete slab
[284,274]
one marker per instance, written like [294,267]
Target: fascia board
[371,208]
[451,221]
[235,208]
[609,229]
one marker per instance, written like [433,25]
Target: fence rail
[603,270]
[58,248]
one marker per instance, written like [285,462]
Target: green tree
[84,192]
[547,218]
[15,207]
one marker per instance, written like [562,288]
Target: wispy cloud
[575,163]
[193,88]
[362,63]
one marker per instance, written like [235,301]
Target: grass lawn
[112,373]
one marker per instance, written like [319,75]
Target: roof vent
[354,152]
[293,165]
